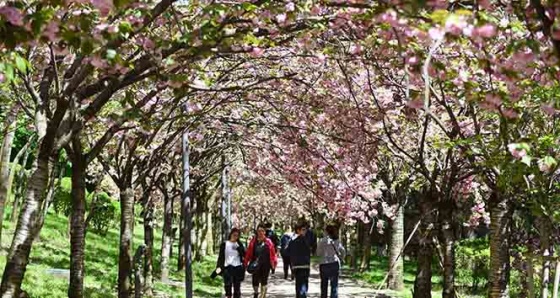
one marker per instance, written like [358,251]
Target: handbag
[253,265]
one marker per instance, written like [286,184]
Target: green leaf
[526,160]
[21,64]
[111,54]
[549,161]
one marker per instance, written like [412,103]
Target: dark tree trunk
[423,281]
[139,281]
[500,218]
[366,244]
[28,227]
[126,234]
[148,213]
[166,235]
[5,154]
[395,280]
[448,242]
[77,221]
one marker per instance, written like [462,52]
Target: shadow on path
[281,288]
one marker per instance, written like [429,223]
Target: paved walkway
[278,287]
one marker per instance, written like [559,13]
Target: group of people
[296,248]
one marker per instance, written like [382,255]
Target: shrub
[62,201]
[472,259]
[103,214]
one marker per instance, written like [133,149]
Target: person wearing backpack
[332,254]
[284,242]
[259,260]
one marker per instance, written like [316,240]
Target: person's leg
[237,289]
[334,272]
[264,281]
[305,287]
[324,281]
[296,272]
[286,261]
[256,280]
[228,281]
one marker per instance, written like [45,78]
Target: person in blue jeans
[300,257]
[332,253]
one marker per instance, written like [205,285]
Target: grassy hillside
[51,250]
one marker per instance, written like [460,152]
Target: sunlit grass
[52,250]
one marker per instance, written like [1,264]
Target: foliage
[104,213]
[472,262]
[62,201]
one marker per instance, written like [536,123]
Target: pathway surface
[278,287]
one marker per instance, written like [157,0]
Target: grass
[378,269]
[52,250]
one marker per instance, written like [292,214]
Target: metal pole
[187,226]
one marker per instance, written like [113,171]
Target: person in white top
[230,264]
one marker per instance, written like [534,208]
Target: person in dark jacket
[230,264]
[299,252]
[261,250]
[284,243]
[311,238]
[270,234]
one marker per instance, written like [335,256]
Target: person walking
[259,260]
[332,254]
[270,234]
[299,252]
[230,264]
[284,242]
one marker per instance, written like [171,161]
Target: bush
[104,213]
[472,259]
[62,201]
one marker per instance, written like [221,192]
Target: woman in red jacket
[262,253]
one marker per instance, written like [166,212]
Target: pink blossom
[51,31]
[290,6]
[322,57]
[436,33]
[148,44]
[413,60]
[113,29]
[281,18]
[2,78]
[516,151]
[104,6]
[486,31]
[12,15]
[415,104]
[549,109]
[355,49]
[510,113]
[97,62]
[257,52]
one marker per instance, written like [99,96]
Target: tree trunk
[556,280]
[21,187]
[209,238]
[28,227]
[395,280]
[138,271]
[500,218]
[77,221]
[366,242]
[166,235]
[545,232]
[148,213]
[5,154]
[423,281]
[126,234]
[448,239]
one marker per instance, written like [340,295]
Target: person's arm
[248,254]
[241,251]
[221,256]
[341,251]
[272,253]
